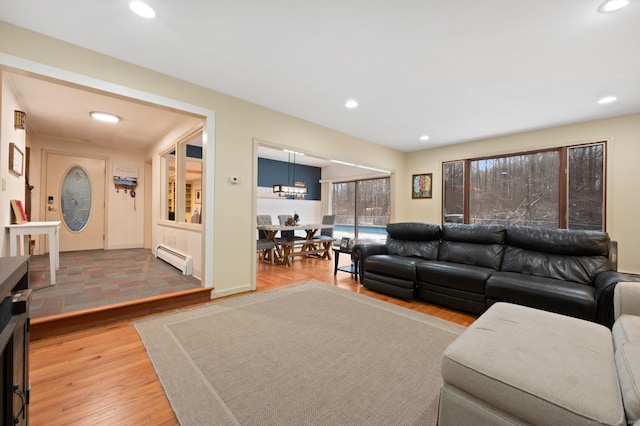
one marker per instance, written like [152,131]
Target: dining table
[286,250]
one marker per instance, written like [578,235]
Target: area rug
[305,354]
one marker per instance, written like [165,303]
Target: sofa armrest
[626,299]
[360,252]
[605,284]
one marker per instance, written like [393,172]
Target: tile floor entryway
[88,279]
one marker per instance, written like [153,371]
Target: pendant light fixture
[293,190]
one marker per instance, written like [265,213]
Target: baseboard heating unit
[175,258]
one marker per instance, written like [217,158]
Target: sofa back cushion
[478,245]
[556,253]
[413,239]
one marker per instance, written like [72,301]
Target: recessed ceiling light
[424,138]
[105,116]
[607,100]
[351,104]
[612,5]
[142,9]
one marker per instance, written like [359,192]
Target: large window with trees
[362,207]
[555,188]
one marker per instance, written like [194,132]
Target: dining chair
[266,250]
[263,246]
[263,219]
[326,233]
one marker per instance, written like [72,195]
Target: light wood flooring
[102,375]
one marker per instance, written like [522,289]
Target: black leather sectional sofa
[470,267]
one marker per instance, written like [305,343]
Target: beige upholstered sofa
[524,366]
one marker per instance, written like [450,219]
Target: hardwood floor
[102,375]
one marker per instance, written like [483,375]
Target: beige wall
[237,123]
[623,196]
[11,186]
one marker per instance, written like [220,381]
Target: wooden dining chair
[264,247]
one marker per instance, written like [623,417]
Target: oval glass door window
[75,199]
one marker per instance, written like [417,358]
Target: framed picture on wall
[198,196]
[421,185]
[16,160]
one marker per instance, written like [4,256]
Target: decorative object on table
[291,191]
[421,185]
[19,216]
[16,159]
[345,243]
[19,120]
[296,218]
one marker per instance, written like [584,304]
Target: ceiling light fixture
[612,5]
[351,104]
[424,138]
[142,9]
[104,116]
[607,100]
[297,190]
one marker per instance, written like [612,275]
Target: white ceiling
[455,70]
[62,111]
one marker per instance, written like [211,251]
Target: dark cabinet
[15,296]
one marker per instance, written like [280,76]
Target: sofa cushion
[559,241]
[413,239]
[626,329]
[628,366]
[537,367]
[453,275]
[414,231]
[485,255]
[400,267]
[479,234]
[579,269]
[577,300]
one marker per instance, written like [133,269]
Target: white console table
[37,228]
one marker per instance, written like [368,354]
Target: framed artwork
[198,196]
[16,160]
[421,185]
[345,243]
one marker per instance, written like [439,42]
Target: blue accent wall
[272,172]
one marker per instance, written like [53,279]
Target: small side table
[352,269]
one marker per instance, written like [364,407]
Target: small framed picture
[16,160]
[345,243]
[198,196]
[421,185]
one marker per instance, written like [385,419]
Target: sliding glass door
[362,208]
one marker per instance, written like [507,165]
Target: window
[182,169]
[586,187]
[362,208]
[530,189]
[453,192]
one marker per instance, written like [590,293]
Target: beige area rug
[302,355]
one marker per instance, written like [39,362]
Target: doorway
[75,196]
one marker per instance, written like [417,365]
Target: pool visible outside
[364,232]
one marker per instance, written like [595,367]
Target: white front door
[74,195]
